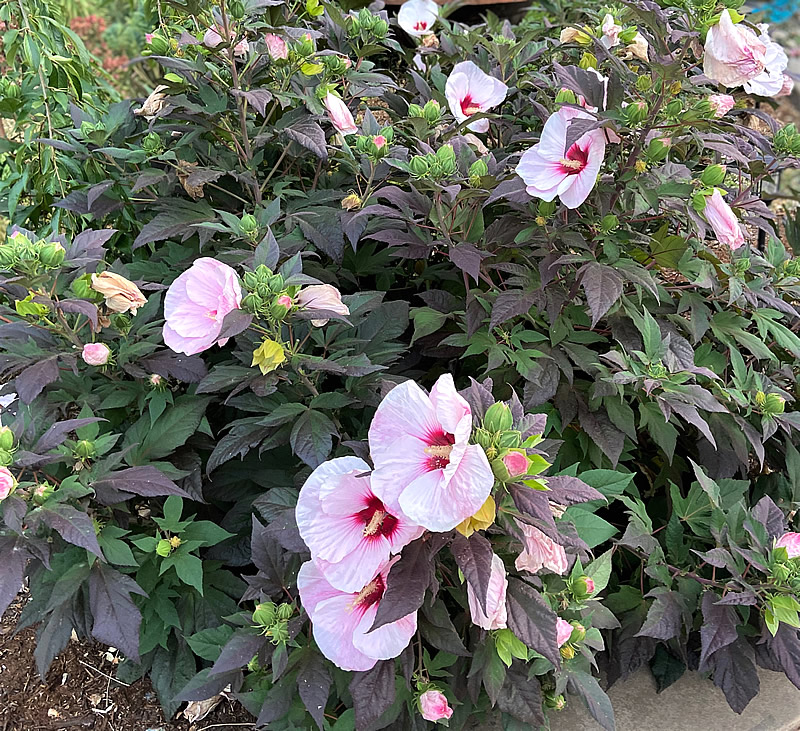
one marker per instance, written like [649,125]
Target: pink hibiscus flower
[417,17]
[791,542]
[348,530]
[496,615]
[197,303]
[540,552]
[425,466]
[470,91]
[341,620]
[723,221]
[733,53]
[550,169]
[563,631]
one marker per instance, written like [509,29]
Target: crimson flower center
[370,594]
[469,107]
[440,445]
[421,25]
[377,522]
[574,161]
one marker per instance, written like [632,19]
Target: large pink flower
[791,542]
[721,104]
[723,220]
[348,530]
[770,81]
[495,616]
[424,464]
[417,17]
[470,91]
[540,552]
[433,705]
[550,169]
[733,53]
[341,620]
[197,303]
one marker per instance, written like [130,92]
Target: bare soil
[81,693]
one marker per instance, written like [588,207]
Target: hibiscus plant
[387,370]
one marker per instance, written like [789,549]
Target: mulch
[80,692]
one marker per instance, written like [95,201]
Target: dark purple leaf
[603,287]
[257,98]
[268,556]
[536,504]
[594,697]
[57,433]
[784,647]
[373,692]
[313,684]
[467,258]
[510,303]
[81,307]
[309,134]
[770,516]
[603,433]
[735,673]
[312,437]
[186,368]
[14,511]
[532,620]
[406,584]
[73,525]
[116,617]
[34,378]
[146,481]
[15,559]
[237,652]
[437,628]
[521,697]
[474,557]
[718,630]
[204,685]
[567,490]
[666,616]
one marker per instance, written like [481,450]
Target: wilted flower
[351,202]
[348,530]
[268,356]
[121,295]
[568,35]
[154,104]
[424,463]
[276,46]
[611,31]
[197,303]
[563,631]
[549,169]
[495,617]
[791,542]
[638,48]
[433,706]
[470,91]
[481,520]
[95,354]
[723,221]
[7,483]
[340,620]
[417,17]
[322,297]
[733,53]
[721,104]
[340,115]
[212,38]
[770,81]
[788,86]
[540,552]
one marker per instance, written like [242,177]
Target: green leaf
[600,571]
[592,529]
[426,321]
[189,569]
[170,430]
[312,437]
[209,642]
[206,532]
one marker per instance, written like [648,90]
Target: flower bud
[252,303]
[96,354]
[547,208]
[6,458]
[640,166]
[152,143]
[175,542]
[156,381]
[432,111]
[774,404]
[674,108]
[510,465]
[254,666]
[556,702]
[82,288]
[478,169]
[567,652]
[566,96]
[250,280]
[635,113]
[248,225]
[578,633]
[510,439]
[658,149]
[643,83]
[52,255]
[8,257]
[609,223]
[419,166]
[415,110]
[159,45]
[380,29]
[583,587]
[482,437]
[85,449]
[588,61]
[264,614]
[280,633]
[498,418]
[713,175]
[285,611]
[42,492]
[163,548]
[6,438]
[236,9]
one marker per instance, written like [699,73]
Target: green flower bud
[483,438]
[478,169]
[583,587]
[547,208]
[152,144]
[253,666]
[556,702]
[250,280]
[578,633]
[304,47]
[588,61]
[415,110]
[699,201]
[713,175]
[85,449]
[248,226]
[498,418]
[285,611]
[159,45]
[252,303]
[163,547]
[6,458]
[264,614]
[42,492]
[741,265]
[263,290]
[236,9]
[643,83]
[510,439]
[566,96]
[419,166]
[432,111]
[635,113]
[276,283]
[6,438]
[674,108]
[280,633]
[774,404]
[52,255]
[609,223]
[658,149]
[8,257]
[380,29]
[567,652]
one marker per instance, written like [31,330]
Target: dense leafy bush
[340,210]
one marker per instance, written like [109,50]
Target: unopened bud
[713,175]
[163,547]
[85,449]
[498,418]
[52,255]
[264,614]
[6,438]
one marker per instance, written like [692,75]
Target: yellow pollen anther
[363,594]
[571,164]
[439,450]
[471,109]
[375,522]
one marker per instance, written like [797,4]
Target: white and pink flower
[540,552]
[341,620]
[771,80]
[425,466]
[563,631]
[791,542]
[733,53]
[276,47]
[721,104]
[551,169]
[340,115]
[723,221]
[470,91]
[95,354]
[348,530]
[433,706]
[7,483]
[495,616]
[611,31]
[417,17]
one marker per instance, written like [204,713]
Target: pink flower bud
[276,46]
[285,300]
[589,582]
[155,379]
[433,706]
[723,220]
[563,631]
[379,141]
[516,463]
[340,115]
[7,483]
[148,37]
[721,104]
[791,542]
[95,354]
[788,86]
